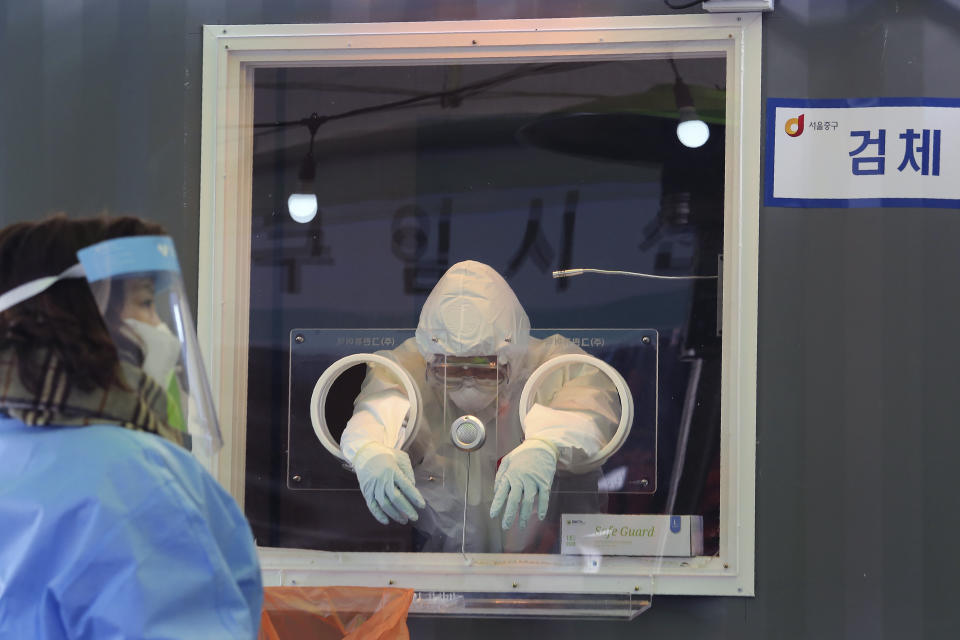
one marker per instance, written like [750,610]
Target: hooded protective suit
[472,311]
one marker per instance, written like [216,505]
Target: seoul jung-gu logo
[794,126]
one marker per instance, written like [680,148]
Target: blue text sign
[876,152]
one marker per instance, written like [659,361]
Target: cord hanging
[682,6]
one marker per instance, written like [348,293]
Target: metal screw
[224,30]
[435,339]
[298,339]
[297,478]
[644,482]
[726,566]
[390,582]
[515,585]
[645,340]
[431,478]
[474,42]
[637,588]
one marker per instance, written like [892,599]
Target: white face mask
[161,350]
[473,399]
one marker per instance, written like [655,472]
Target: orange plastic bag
[335,613]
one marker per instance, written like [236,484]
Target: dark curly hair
[63,319]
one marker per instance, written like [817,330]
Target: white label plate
[632,535]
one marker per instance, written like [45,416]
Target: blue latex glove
[386,480]
[524,473]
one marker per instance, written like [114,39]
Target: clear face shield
[472,394]
[139,290]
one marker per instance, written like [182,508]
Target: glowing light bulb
[693,132]
[302,207]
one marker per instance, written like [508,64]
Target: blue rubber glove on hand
[524,473]
[387,483]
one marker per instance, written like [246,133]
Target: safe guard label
[864,152]
[628,535]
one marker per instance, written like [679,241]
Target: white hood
[472,311]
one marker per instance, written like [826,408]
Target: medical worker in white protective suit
[472,355]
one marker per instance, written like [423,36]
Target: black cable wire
[467,90]
[505,77]
[677,7]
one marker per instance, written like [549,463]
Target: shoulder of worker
[541,349]
[408,346]
[96,510]
[406,354]
[119,467]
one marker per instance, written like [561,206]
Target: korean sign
[876,152]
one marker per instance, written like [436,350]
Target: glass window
[370,183]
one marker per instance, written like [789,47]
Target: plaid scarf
[142,406]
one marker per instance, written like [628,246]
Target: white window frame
[230,55]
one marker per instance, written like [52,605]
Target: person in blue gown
[109,526]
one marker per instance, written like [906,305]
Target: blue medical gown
[109,533]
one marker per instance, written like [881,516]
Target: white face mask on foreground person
[161,349]
[472,355]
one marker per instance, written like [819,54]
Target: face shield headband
[33,288]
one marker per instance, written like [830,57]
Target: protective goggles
[455,371]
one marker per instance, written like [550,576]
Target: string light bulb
[302,204]
[691,130]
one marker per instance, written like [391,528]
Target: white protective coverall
[472,311]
